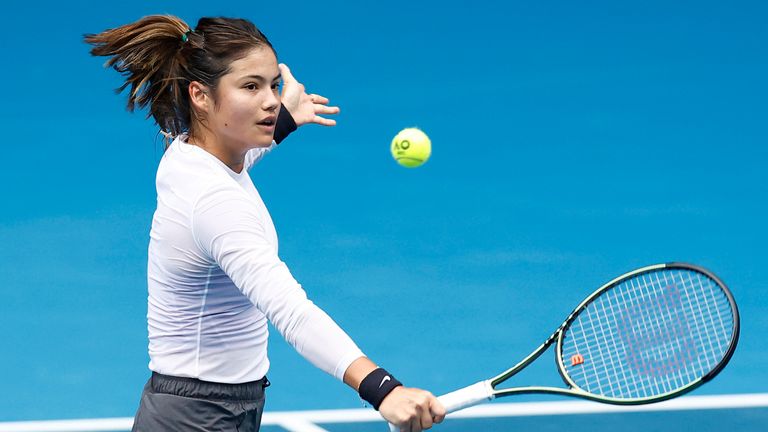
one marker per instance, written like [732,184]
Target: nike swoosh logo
[386,378]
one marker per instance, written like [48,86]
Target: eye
[276,85]
[251,87]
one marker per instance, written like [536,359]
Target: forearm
[358,370]
[320,340]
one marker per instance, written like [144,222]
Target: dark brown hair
[159,55]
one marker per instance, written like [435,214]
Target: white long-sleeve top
[215,278]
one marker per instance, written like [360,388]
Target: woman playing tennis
[214,273]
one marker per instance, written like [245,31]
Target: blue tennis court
[571,143]
[745,411]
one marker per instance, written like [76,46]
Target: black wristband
[284,125]
[376,386]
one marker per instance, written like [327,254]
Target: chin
[261,141]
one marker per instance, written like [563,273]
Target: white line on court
[306,421]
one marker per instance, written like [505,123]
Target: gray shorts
[187,404]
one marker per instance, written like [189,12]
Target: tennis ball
[411,147]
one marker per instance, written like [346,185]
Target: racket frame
[573,389]
[485,390]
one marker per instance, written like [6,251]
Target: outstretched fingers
[304,107]
[323,121]
[317,99]
[320,105]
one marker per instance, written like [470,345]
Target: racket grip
[467,396]
[463,398]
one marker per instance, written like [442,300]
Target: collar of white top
[181,142]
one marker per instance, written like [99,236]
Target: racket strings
[650,335]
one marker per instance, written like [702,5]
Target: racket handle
[467,396]
[463,398]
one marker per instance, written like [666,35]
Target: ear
[199,97]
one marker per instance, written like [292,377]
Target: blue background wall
[571,143]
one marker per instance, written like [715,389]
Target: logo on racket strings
[577,359]
[657,336]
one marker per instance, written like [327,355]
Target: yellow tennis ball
[411,147]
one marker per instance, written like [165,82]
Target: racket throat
[509,373]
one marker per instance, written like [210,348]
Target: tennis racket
[649,335]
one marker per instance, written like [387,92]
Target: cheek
[236,112]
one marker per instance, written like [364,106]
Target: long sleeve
[256,154]
[230,228]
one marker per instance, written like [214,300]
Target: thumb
[286,74]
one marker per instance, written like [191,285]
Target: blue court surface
[705,413]
[572,142]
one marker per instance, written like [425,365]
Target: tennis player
[214,273]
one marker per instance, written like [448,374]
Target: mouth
[268,122]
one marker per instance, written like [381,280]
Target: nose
[271,102]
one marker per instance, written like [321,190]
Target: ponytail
[159,55]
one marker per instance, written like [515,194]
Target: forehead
[259,61]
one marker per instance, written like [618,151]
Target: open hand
[304,108]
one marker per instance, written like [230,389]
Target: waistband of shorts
[195,388]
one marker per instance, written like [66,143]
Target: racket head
[649,335]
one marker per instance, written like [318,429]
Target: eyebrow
[260,78]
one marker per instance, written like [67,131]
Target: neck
[209,142]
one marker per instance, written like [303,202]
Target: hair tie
[185,36]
